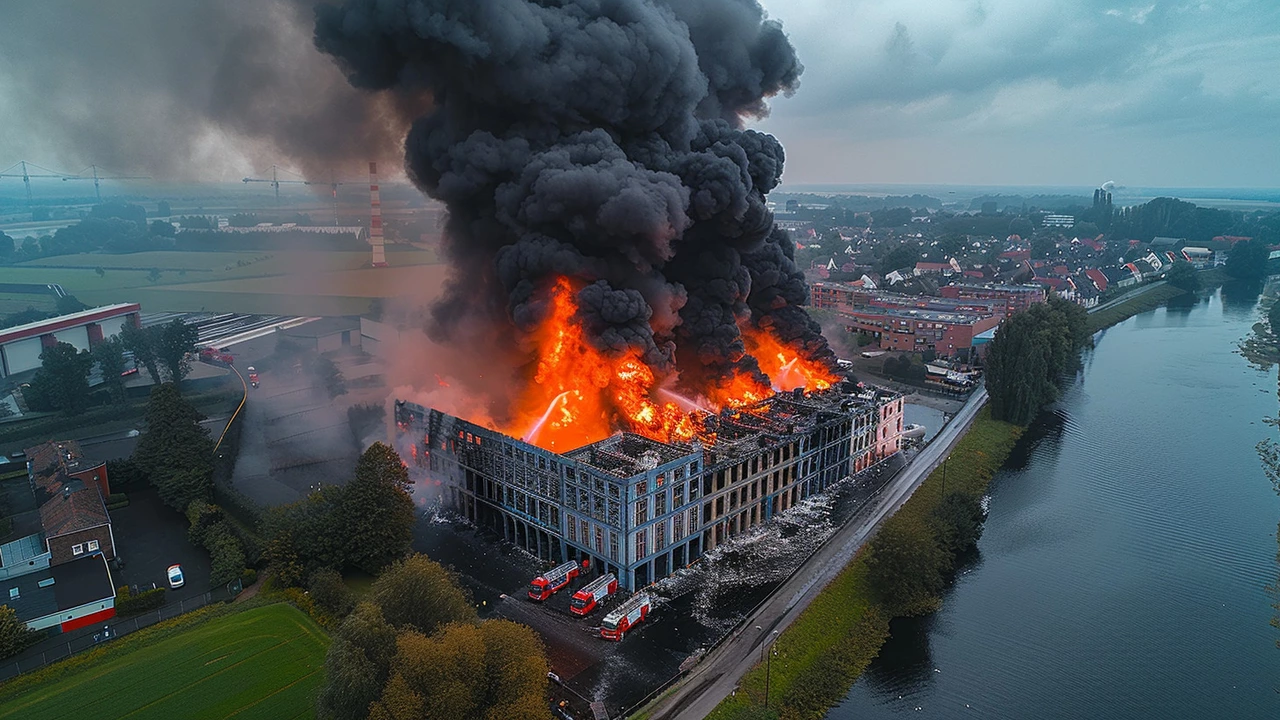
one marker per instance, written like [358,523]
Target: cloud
[1027,70]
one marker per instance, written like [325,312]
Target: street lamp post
[768,661]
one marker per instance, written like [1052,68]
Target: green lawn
[261,663]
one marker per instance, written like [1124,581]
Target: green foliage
[903,255]
[905,566]
[1247,260]
[418,593]
[357,665]
[164,209]
[115,501]
[125,474]
[109,355]
[1021,227]
[173,343]
[331,594]
[957,522]
[175,454]
[62,382]
[1169,217]
[1032,352]
[304,536]
[128,604]
[1042,246]
[248,577]
[377,513]
[902,368]
[226,556]
[1183,276]
[67,304]
[142,343]
[14,635]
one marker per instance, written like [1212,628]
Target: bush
[115,501]
[226,557]
[129,604]
[248,577]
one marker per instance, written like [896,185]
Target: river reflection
[1129,541]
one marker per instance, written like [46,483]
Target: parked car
[175,577]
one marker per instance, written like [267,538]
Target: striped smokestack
[375,219]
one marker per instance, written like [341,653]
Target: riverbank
[818,657]
[1157,295]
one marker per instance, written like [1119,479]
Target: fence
[64,646]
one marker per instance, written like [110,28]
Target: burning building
[643,508]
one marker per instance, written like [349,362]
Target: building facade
[1016,298]
[909,330]
[21,346]
[643,509]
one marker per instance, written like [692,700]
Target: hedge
[129,604]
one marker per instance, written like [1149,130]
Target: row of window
[79,548]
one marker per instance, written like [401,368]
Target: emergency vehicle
[628,615]
[546,585]
[586,599]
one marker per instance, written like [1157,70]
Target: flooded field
[692,609]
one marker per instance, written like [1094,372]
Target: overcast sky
[1045,92]
[1001,92]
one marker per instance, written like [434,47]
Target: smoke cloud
[602,140]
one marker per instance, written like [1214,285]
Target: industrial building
[846,297]
[643,509]
[21,346]
[948,334]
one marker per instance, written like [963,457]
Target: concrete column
[95,333]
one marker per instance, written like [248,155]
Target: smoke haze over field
[208,89]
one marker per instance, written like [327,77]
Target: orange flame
[579,395]
[784,366]
[578,392]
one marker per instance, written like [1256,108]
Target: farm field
[289,282]
[261,663]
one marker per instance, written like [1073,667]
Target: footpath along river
[1128,544]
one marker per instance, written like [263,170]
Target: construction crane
[26,176]
[275,181]
[96,178]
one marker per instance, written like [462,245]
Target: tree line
[62,381]
[1033,352]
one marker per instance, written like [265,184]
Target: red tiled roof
[78,511]
[1098,277]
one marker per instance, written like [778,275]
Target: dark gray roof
[1161,241]
[324,327]
[33,601]
[82,581]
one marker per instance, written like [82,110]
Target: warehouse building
[21,346]
[643,509]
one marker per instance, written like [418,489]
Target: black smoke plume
[603,140]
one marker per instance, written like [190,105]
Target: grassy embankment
[820,655]
[222,661]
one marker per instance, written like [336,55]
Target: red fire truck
[546,585]
[626,616]
[586,599]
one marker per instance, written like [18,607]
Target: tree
[1042,246]
[957,521]
[377,514]
[175,453]
[329,376]
[142,343]
[330,593]
[904,255]
[67,304]
[1030,354]
[153,274]
[109,355]
[164,209]
[357,665]
[14,635]
[1248,259]
[174,343]
[1021,227]
[1183,277]
[100,272]
[62,382]
[1273,318]
[491,671]
[305,536]
[419,594]
[905,567]
[7,246]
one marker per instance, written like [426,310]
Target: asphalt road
[717,676]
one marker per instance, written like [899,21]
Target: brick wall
[61,547]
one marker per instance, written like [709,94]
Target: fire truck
[626,616]
[217,355]
[546,585]
[586,599]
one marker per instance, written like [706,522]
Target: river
[1130,537]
